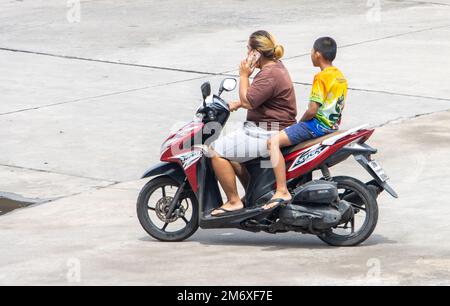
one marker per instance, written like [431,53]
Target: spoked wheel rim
[158,203]
[365,218]
[361,215]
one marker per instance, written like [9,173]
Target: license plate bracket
[378,170]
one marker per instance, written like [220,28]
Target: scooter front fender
[172,170]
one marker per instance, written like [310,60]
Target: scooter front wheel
[153,206]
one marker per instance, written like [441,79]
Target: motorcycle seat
[309,143]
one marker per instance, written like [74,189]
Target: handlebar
[210,110]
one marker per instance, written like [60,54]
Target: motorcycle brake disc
[162,207]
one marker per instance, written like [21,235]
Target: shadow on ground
[269,242]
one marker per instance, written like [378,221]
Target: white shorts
[245,144]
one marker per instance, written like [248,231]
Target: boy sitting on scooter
[323,116]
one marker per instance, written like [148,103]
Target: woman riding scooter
[271,104]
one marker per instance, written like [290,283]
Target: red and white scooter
[342,211]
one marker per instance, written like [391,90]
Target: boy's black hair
[327,47]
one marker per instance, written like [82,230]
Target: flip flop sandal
[279,201]
[223,209]
[225,212]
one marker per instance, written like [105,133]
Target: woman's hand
[234,106]
[245,70]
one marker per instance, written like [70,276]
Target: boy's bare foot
[228,207]
[286,196]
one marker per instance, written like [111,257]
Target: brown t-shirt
[272,97]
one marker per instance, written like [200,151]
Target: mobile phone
[253,58]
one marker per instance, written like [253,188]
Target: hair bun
[266,44]
[278,52]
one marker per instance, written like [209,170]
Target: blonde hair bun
[266,44]
[278,52]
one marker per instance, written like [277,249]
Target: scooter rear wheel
[152,207]
[362,200]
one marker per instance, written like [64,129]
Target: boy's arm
[311,112]
[316,99]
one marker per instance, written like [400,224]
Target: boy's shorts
[304,131]
[299,133]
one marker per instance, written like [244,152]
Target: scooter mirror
[206,90]
[227,85]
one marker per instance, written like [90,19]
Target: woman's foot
[228,207]
[286,196]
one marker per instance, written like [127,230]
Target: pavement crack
[98,96]
[203,74]
[10,201]
[375,40]
[79,58]
[81,192]
[69,57]
[385,92]
[403,119]
[426,3]
[400,94]
[60,173]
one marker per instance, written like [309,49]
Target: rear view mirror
[228,84]
[206,90]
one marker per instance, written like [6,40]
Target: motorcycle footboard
[232,220]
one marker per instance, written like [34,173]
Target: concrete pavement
[85,106]
[97,230]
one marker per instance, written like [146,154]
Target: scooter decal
[306,157]
[190,158]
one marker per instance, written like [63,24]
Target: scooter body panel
[172,170]
[311,158]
